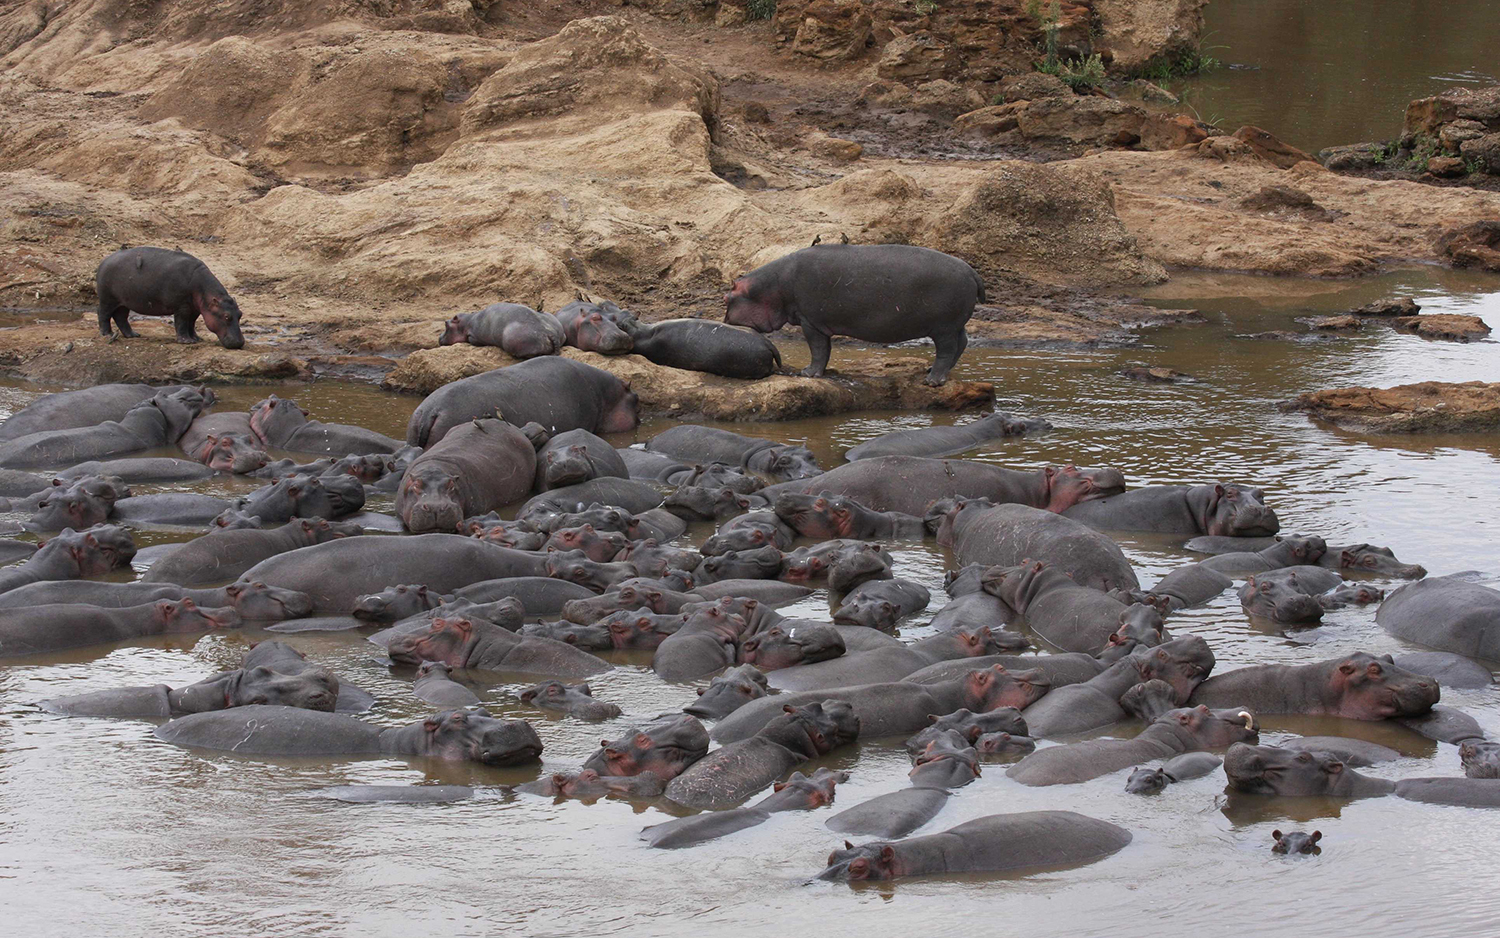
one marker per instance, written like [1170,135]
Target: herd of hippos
[525,543]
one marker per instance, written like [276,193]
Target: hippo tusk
[1249,719]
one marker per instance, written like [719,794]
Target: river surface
[1320,73]
[105,830]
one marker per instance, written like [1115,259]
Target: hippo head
[430,499]
[761,307]
[1069,485]
[456,330]
[444,640]
[947,762]
[596,546]
[994,687]
[822,516]
[623,413]
[814,729]
[233,519]
[664,748]
[943,516]
[311,689]
[320,530]
[1238,511]
[727,693]
[867,862]
[808,793]
[1380,561]
[1148,700]
[783,647]
[595,332]
[1202,728]
[553,695]
[96,550]
[429,669]
[70,508]
[1012,585]
[475,736]
[395,603]
[1366,687]
[221,314]
[856,564]
[575,567]
[584,636]
[368,469]
[630,630]
[255,600]
[1303,548]
[1183,663]
[1480,759]
[1278,599]
[1272,770]
[1003,744]
[803,566]
[275,419]
[569,465]
[1146,782]
[1296,842]
[183,615]
[232,452]
[1350,594]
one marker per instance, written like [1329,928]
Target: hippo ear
[701,690]
[584,689]
[1387,659]
[1218,491]
[1315,837]
[432,724]
[933,717]
[887,854]
[1275,835]
[847,846]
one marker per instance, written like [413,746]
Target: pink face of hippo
[98,550]
[456,330]
[276,418]
[183,615]
[995,687]
[1069,485]
[744,305]
[221,314]
[430,499]
[475,736]
[445,640]
[232,452]
[1367,687]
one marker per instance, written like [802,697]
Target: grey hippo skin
[576,700]
[154,423]
[1480,759]
[1450,670]
[1007,535]
[72,555]
[1357,687]
[728,692]
[832,516]
[224,555]
[999,843]
[663,748]
[873,292]
[894,661]
[936,442]
[434,685]
[538,595]
[396,794]
[558,393]
[595,327]
[519,331]
[882,604]
[1271,770]
[1077,708]
[1228,510]
[36,630]
[337,573]
[1292,595]
[158,282]
[698,345]
[66,410]
[475,644]
[705,445]
[628,495]
[280,423]
[576,456]
[948,761]
[1445,613]
[1367,559]
[1296,842]
[11,551]
[478,467]
[395,603]
[1286,552]
[1069,616]
[141,469]
[453,735]
[797,793]
[253,601]
[17,484]
[1177,731]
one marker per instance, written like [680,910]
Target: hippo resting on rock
[158,282]
[1271,770]
[1006,535]
[1069,616]
[1077,708]
[36,630]
[699,345]
[281,424]
[252,600]
[479,645]
[83,408]
[558,393]
[999,843]
[1177,731]
[936,442]
[454,735]
[1357,687]
[475,468]
[797,793]
[595,327]
[734,772]
[154,423]
[227,554]
[72,555]
[882,293]
[1229,510]
[519,331]
[705,445]
[1446,613]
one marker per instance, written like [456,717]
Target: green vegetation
[1473,165]
[760,9]
[1184,64]
[1423,148]
[925,6]
[1079,74]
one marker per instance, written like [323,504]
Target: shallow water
[1333,72]
[106,828]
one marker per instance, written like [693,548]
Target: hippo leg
[121,316]
[186,334]
[949,347]
[820,346]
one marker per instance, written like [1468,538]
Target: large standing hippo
[481,466]
[1177,731]
[158,282]
[36,630]
[698,345]
[152,424]
[558,393]
[519,331]
[937,442]
[1358,687]
[224,555]
[1218,509]
[1007,535]
[280,423]
[706,445]
[72,555]
[67,410]
[1446,613]
[882,293]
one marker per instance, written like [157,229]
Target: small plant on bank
[1424,148]
[1473,165]
[924,7]
[760,9]
[1185,64]
[1079,74]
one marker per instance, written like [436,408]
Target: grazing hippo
[734,772]
[828,516]
[252,600]
[67,410]
[999,843]
[895,661]
[909,484]
[882,604]
[1007,535]
[453,735]
[1296,842]
[704,445]
[1174,732]
[1358,687]
[797,793]
[72,555]
[141,469]
[937,442]
[1446,613]
[1183,663]
[1480,759]
[157,422]
[1056,607]
[698,345]
[36,630]
[483,646]
[882,293]
[519,331]
[575,700]
[1286,552]
[1369,560]
[576,456]
[558,393]
[899,708]
[665,747]
[1226,510]
[727,693]
[595,327]
[589,786]
[478,467]
[158,282]
[280,423]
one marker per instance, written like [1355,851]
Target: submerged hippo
[1221,509]
[35,630]
[86,407]
[664,748]
[1357,687]
[705,445]
[936,442]
[1271,770]
[158,282]
[1177,731]
[475,468]
[1007,535]
[519,331]
[1295,842]
[72,555]
[1446,613]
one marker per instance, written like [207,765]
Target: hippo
[1177,731]
[750,531]
[558,393]
[588,637]
[665,747]
[789,646]
[608,493]
[396,603]
[36,630]
[970,725]
[157,422]
[728,692]
[1291,594]
[66,410]
[252,600]
[625,597]
[815,562]
[477,467]
[452,735]
[1286,552]
[1446,613]
[1296,842]
[894,661]
[1003,745]
[576,456]
[937,442]
[882,604]
[538,595]
[1183,663]
[881,293]
[519,331]
[158,282]
[1147,782]
[79,504]
[1356,752]
[396,794]
[576,567]
[637,631]
[763,457]
[1369,560]
[588,785]
[11,551]
[769,593]
[303,496]
[698,345]
[17,484]
[141,469]
[600,548]
[734,772]
[763,563]
[1219,509]
[707,641]
[855,564]
[947,762]
[575,700]
[479,645]
[1007,535]
[179,509]
[1357,687]
[651,559]
[829,516]
[797,793]
[1070,616]
[1272,770]
[224,442]
[595,327]
[653,467]
[1480,759]
[280,423]
[72,555]
[1350,594]
[717,474]
[998,843]
[1189,585]
[505,614]
[1448,669]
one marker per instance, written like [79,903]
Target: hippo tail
[979,284]
[776,354]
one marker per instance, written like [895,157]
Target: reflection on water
[107,828]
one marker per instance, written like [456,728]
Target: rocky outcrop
[1137,33]
[1428,407]
[1473,245]
[1445,136]
[1448,326]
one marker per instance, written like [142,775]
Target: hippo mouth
[508,754]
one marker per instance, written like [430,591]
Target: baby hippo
[575,700]
[1147,782]
[434,685]
[882,604]
[395,603]
[588,785]
[728,692]
[1297,842]
[1480,759]
[784,646]
[519,331]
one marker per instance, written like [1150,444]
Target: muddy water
[105,828]
[1338,71]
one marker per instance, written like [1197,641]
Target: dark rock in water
[1155,374]
[397,794]
[1406,307]
[1331,323]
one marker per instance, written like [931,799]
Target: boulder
[991,121]
[1473,245]
[1355,157]
[1428,407]
[1453,135]
[1429,115]
[1029,86]
[836,149]
[1402,307]
[824,29]
[1173,131]
[1454,328]
[1138,32]
[1082,121]
[1286,200]
[917,56]
[1269,148]
[1447,167]
[1484,151]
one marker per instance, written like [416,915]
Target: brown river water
[105,829]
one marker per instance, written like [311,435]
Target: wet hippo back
[1445,613]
